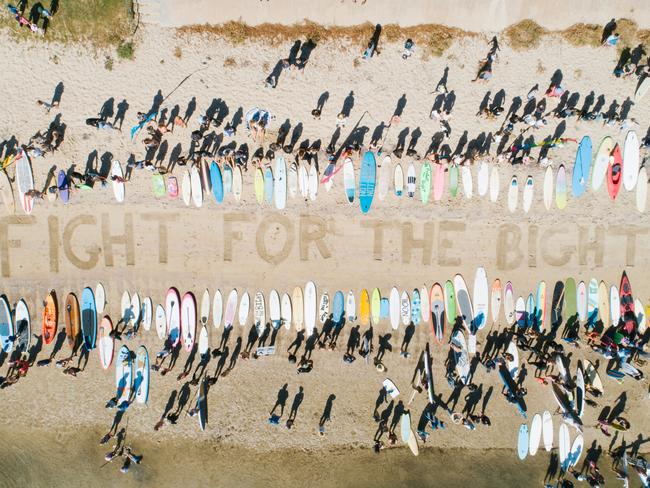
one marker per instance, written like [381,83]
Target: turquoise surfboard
[367,181]
[217,182]
[581,167]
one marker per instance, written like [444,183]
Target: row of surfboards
[541,426]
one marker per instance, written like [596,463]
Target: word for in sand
[88,241]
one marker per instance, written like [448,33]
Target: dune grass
[526,34]
[583,35]
[99,23]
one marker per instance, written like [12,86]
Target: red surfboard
[614,172]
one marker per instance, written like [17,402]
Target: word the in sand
[87,241]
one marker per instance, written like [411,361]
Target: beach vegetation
[125,50]
[583,35]
[526,34]
[229,62]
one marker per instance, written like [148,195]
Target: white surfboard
[161,322]
[563,443]
[274,309]
[405,308]
[509,304]
[136,308]
[313,182]
[480,299]
[231,308]
[535,434]
[303,181]
[495,183]
[394,306]
[310,307]
[641,319]
[324,307]
[259,312]
[410,180]
[217,309]
[466,176]
[614,305]
[576,450]
[237,183]
[25,181]
[513,364]
[186,184]
[147,313]
[528,193]
[548,188]
[292,180]
[125,308]
[100,298]
[398,180]
[204,344]
[244,309]
[630,161]
[285,311]
[118,186]
[425,304]
[581,299]
[349,184]
[298,308]
[205,307]
[384,177]
[280,183]
[197,188]
[483,177]
[350,307]
[513,194]
[642,190]
[547,430]
[601,162]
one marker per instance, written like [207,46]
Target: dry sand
[69,247]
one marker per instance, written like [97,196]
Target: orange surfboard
[50,318]
[72,322]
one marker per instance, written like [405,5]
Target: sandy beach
[147,244]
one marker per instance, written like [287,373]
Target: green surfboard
[450,303]
[453,180]
[425,182]
[375,306]
[570,301]
[158,183]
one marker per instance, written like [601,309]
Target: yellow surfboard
[364,308]
[259,185]
[603,304]
[375,306]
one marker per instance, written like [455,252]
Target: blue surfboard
[581,167]
[367,180]
[217,182]
[338,307]
[522,442]
[136,128]
[88,318]
[64,187]
[384,308]
[268,185]
[415,307]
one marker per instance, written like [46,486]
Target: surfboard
[172,187]
[328,175]
[631,161]
[548,187]
[642,89]
[530,310]
[141,381]
[146,313]
[244,309]
[173,315]
[581,300]
[592,303]
[280,184]
[520,312]
[576,450]
[338,308]
[540,306]
[7,193]
[231,308]
[204,313]
[513,194]
[324,307]
[535,434]
[603,304]
[416,306]
[310,307]
[405,308]
[615,172]
[466,174]
[563,444]
[560,188]
[453,180]
[161,322]
[259,312]
[385,172]
[285,311]
[570,298]
[601,161]
[398,180]
[547,430]
[410,180]
[274,309]
[495,300]
[303,181]
[364,308]
[450,303]
[268,184]
[394,308]
[298,308]
[438,181]
[25,181]
[494,184]
[437,313]
[349,184]
[641,318]
[463,302]
[390,388]
[204,170]
[313,182]
[375,306]
[367,177]
[405,429]
[528,193]
[106,343]
[425,304]
[642,190]
[513,364]
[350,307]
[522,442]
[461,358]
[425,182]
[480,298]
[228,176]
[292,180]
[88,319]
[23,329]
[6,326]
[581,167]
[188,321]
[592,377]
[509,304]
[118,185]
[202,404]
[72,320]
[186,183]
[217,309]
[579,397]
[614,305]
[123,377]
[482,178]
[216,181]
[197,188]
[125,308]
[259,185]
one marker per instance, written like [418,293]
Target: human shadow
[295,405]
[327,412]
[281,401]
